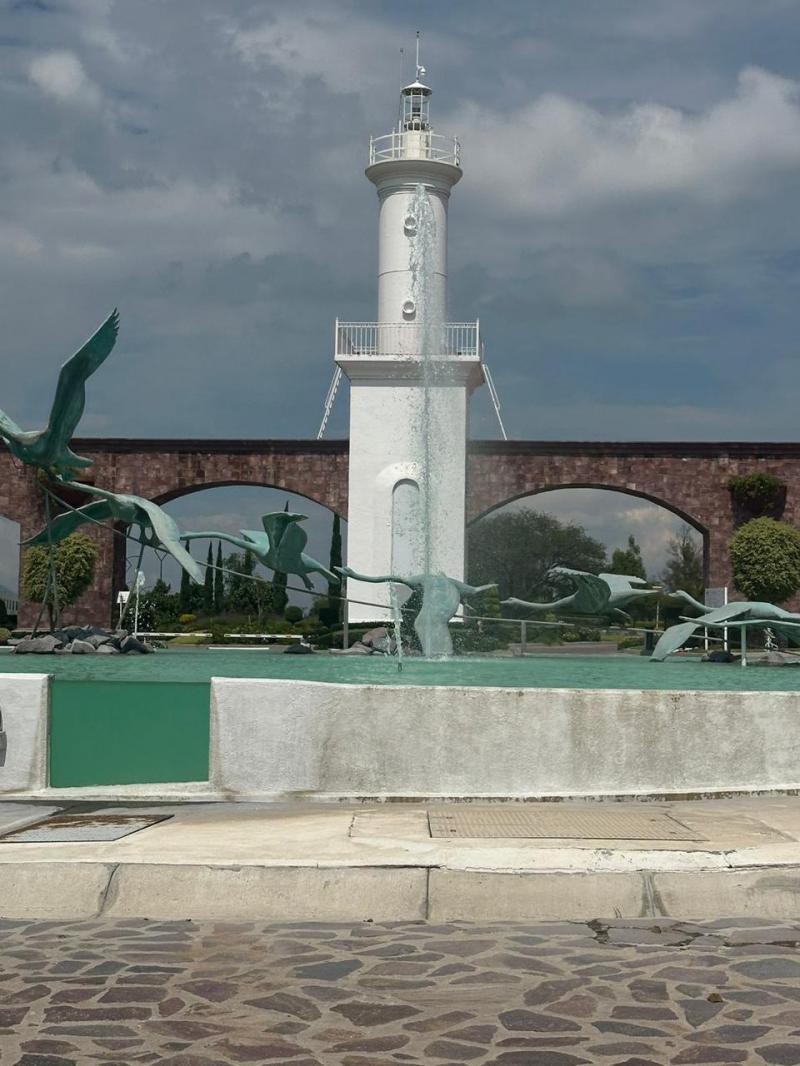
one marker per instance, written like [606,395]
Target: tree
[219,583]
[247,594]
[517,548]
[208,583]
[280,597]
[335,587]
[684,567]
[74,560]
[756,496]
[185,594]
[628,560]
[765,560]
[162,603]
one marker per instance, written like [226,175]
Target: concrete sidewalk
[330,863]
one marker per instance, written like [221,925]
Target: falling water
[433,436]
[429,316]
[397,618]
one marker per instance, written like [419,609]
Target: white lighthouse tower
[411,373]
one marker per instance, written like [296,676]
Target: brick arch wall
[688,478]
[165,469]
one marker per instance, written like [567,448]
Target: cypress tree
[185,594]
[219,583]
[335,587]
[208,584]
[279,597]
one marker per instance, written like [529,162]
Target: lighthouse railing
[415,144]
[458,339]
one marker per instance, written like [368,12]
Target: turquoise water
[555,671]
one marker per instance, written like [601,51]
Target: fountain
[236,724]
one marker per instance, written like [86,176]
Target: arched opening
[587,527]
[229,508]
[405,527]
[9,571]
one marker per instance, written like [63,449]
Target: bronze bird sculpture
[48,449]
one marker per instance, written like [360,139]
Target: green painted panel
[113,733]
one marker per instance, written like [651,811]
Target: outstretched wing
[9,428]
[292,542]
[64,524]
[672,639]
[169,537]
[592,593]
[70,398]
[628,579]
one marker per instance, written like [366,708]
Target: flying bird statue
[594,593]
[156,528]
[279,546]
[734,615]
[48,449]
[441,598]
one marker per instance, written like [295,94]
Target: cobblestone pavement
[208,993]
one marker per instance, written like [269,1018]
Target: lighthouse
[411,372]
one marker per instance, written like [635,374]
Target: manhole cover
[82,827]
[558,822]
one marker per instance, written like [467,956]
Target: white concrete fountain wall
[316,740]
[24,705]
[297,738]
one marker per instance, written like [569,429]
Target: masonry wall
[690,478]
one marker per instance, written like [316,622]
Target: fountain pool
[199,665]
[250,724]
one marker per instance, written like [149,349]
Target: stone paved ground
[206,993]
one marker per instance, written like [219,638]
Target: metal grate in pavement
[66,828]
[556,822]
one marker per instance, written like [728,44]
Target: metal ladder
[495,399]
[329,401]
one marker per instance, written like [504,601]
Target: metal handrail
[415,144]
[406,338]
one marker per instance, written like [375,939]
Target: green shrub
[466,639]
[765,560]
[4,635]
[573,636]
[74,561]
[630,642]
[758,495]
[187,619]
[293,614]
[189,638]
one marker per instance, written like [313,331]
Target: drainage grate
[65,828]
[556,822]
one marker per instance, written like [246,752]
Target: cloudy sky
[626,229]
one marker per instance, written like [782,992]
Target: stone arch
[625,490]
[183,490]
[119,544]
